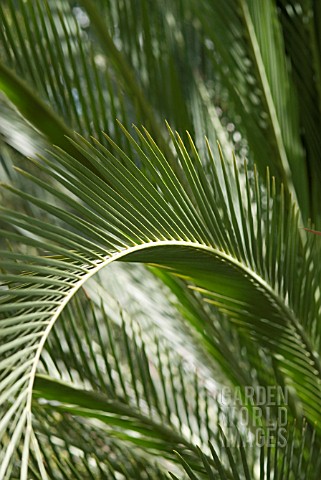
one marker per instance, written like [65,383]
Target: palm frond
[299,457]
[302,43]
[74,448]
[119,84]
[246,269]
[43,32]
[247,49]
[240,300]
[131,386]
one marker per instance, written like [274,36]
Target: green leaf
[203,243]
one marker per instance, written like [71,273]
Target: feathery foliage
[211,281]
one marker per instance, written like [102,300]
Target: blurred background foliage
[245,73]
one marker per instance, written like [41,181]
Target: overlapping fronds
[97,61]
[274,461]
[77,450]
[140,386]
[228,243]
[138,389]
[247,268]
[257,79]
[44,33]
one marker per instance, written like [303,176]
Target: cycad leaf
[133,390]
[300,22]
[288,459]
[44,32]
[73,448]
[245,268]
[248,51]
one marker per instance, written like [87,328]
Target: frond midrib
[279,301]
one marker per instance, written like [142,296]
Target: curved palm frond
[246,269]
[242,275]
